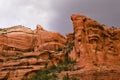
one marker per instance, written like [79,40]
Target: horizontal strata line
[16,31]
[20,31]
[20,67]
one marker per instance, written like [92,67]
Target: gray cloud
[54,15]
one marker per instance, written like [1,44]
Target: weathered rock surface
[93,46]
[48,40]
[96,48]
[16,38]
[24,51]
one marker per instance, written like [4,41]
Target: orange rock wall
[24,51]
[95,44]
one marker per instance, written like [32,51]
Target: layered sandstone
[96,49]
[16,38]
[24,51]
[48,40]
[93,46]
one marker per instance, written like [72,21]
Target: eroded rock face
[48,40]
[19,38]
[24,51]
[95,44]
[16,38]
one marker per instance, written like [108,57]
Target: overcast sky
[54,15]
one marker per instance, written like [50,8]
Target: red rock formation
[95,48]
[95,44]
[16,38]
[23,51]
[48,40]
[19,38]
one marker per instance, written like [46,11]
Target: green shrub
[50,73]
[59,49]
[66,77]
[44,74]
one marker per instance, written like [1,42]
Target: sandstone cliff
[93,46]
[24,51]
[96,48]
